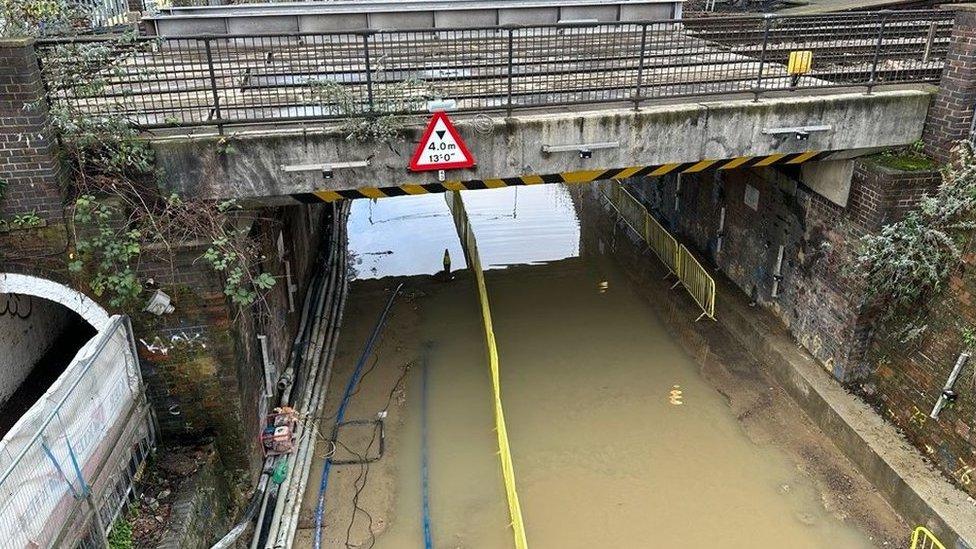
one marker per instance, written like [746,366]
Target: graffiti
[918,417]
[676,396]
[181,340]
[964,473]
[16,305]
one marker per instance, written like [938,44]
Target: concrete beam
[512,147]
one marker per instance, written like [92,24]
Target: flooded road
[618,439]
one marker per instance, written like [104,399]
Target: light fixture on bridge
[327,170]
[585,150]
[802,133]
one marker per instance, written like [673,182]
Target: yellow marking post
[371,192]
[454,186]
[629,172]
[532,179]
[769,160]
[735,163]
[803,157]
[664,169]
[801,61]
[581,177]
[922,538]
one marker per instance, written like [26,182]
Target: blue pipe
[424,462]
[341,414]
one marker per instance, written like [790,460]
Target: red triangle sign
[441,148]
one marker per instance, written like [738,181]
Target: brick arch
[87,308]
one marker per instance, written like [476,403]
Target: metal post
[762,55]
[640,68]
[883,15]
[369,72]
[929,42]
[100,530]
[511,57]
[213,86]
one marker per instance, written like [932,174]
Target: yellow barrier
[675,257]
[664,246]
[697,281]
[463,224]
[922,538]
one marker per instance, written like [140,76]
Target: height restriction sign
[441,148]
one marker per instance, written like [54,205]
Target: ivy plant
[913,258]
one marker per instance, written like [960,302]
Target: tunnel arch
[87,308]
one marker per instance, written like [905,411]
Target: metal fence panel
[50,456]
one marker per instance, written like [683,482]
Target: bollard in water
[446,273]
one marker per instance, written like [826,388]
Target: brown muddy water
[606,452]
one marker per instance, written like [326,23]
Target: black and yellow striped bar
[586,176]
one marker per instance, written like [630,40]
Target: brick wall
[29,162]
[951,113]
[906,380]
[210,380]
[815,299]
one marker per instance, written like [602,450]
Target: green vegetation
[121,535]
[119,213]
[20,18]
[911,259]
[385,121]
[905,159]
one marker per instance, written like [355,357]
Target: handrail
[238,79]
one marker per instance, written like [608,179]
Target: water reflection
[407,235]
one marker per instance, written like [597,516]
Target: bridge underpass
[591,360]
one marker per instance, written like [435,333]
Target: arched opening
[43,325]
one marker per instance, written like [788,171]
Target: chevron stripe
[585,176]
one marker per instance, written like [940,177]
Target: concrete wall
[513,147]
[23,341]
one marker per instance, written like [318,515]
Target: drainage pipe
[290,492]
[307,381]
[948,395]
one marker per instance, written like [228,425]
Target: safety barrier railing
[922,538]
[676,257]
[465,232]
[697,281]
[63,464]
[253,79]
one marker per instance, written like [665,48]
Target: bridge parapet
[225,81]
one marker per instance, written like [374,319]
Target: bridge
[290,101]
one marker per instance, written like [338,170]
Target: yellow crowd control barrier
[922,538]
[677,258]
[463,224]
[697,281]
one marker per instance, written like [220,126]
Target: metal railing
[62,464]
[697,281]
[922,538]
[232,80]
[676,257]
